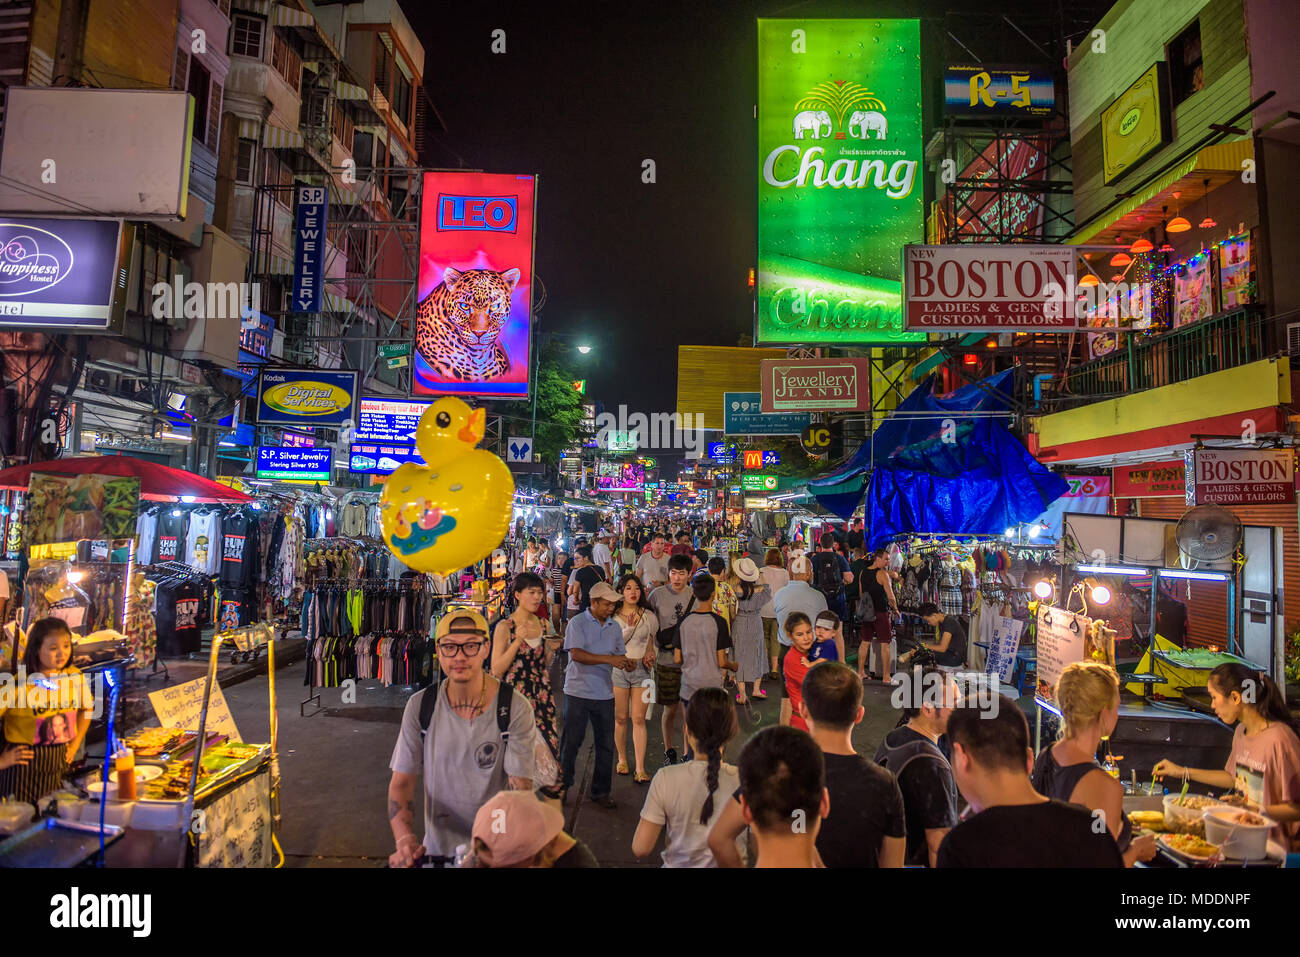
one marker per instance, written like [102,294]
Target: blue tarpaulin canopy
[978,479]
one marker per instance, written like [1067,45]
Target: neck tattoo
[470,708]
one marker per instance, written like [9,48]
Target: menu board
[1234,271]
[1062,639]
[1004,644]
[179,707]
[1192,292]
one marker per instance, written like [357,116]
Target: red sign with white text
[987,287]
[1152,480]
[816,385]
[1244,476]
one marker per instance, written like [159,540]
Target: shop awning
[273,265]
[273,137]
[157,482]
[249,129]
[289,17]
[260,7]
[334,303]
[1220,164]
[349,91]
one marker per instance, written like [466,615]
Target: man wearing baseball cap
[514,829]
[459,745]
[594,642]
[796,596]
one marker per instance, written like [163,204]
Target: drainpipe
[1038,387]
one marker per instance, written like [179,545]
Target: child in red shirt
[797,663]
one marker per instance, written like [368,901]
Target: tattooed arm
[401,818]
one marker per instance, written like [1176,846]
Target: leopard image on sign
[475,285]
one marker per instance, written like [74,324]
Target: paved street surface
[334,766]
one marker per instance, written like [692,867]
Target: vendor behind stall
[1264,764]
[45,717]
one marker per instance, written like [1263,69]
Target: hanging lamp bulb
[1120,259]
[1141,245]
[1178,224]
[1208,222]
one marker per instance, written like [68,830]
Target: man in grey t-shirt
[703,640]
[669,603]
[461,756]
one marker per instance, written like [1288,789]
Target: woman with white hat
[747,629]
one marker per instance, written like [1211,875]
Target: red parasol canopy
[157,482]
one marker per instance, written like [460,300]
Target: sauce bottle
[124,765]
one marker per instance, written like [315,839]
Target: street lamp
[584,349]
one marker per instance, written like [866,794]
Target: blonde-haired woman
[1088,696]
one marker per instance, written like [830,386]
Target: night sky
[583,95]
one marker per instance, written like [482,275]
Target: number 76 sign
[1087,486]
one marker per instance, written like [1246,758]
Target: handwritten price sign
[179,706]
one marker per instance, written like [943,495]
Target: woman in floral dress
[523,647]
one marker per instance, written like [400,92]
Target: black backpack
[827,577]
[667,639]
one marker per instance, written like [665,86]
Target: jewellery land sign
[61,275]
[306,397]
[839,192]
[986,287]
[475,285]
[1242,477]
[742,414]
[816,385]
[294,465]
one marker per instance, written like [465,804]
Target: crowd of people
[650,619]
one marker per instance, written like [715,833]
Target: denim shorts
[632,679]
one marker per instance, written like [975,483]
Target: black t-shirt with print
[929,792]
[240,555]
[177,604]
[169,544]
[586,577]
[866,807]
[1051,834]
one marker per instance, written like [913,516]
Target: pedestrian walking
[688,798]
[775,577]
[879,632]
[724,597]
[632,689]
[670,602]
[747,630]
[594,643]
[783,779]
[477,738]
[514,829]
[523,650]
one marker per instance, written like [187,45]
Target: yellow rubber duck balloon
[453,510]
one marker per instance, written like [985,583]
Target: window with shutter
[214,116]
[382,69]
[181,76]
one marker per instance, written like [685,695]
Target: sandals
[622,768]
[641,778]
[741,699]
[760,693]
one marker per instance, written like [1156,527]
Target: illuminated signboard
[620,477]
[365,458]
[294,465]
[476,279]
[390,420]
[751,482]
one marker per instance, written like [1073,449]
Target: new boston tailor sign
[840,166]
[985,287]
[816,385]
[1243,476]
[60,274]
[294,465]
[306,397]
[742,414]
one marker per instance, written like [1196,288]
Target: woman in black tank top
[1088,696]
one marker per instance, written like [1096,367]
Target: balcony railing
[1214,344]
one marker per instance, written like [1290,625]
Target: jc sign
[815,439]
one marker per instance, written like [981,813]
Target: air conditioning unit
[1293,338]
[105,383]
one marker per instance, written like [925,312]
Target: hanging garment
[239,550]
[146,527]
[171,536]
[202,542]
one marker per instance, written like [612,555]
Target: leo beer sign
[986,287]
[1243,477]
[816,385]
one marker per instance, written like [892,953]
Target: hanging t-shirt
[236,609]
[177,615]
[146,527]
[171,536]
[239,550]
[202,549]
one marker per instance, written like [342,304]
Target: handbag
[667,638]
[866,610]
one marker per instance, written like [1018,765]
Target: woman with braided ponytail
[685,797]
[1264,764]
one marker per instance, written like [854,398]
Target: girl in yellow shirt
[45,716]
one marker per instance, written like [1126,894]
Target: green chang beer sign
[840,190]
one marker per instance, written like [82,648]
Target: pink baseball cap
[515,825]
